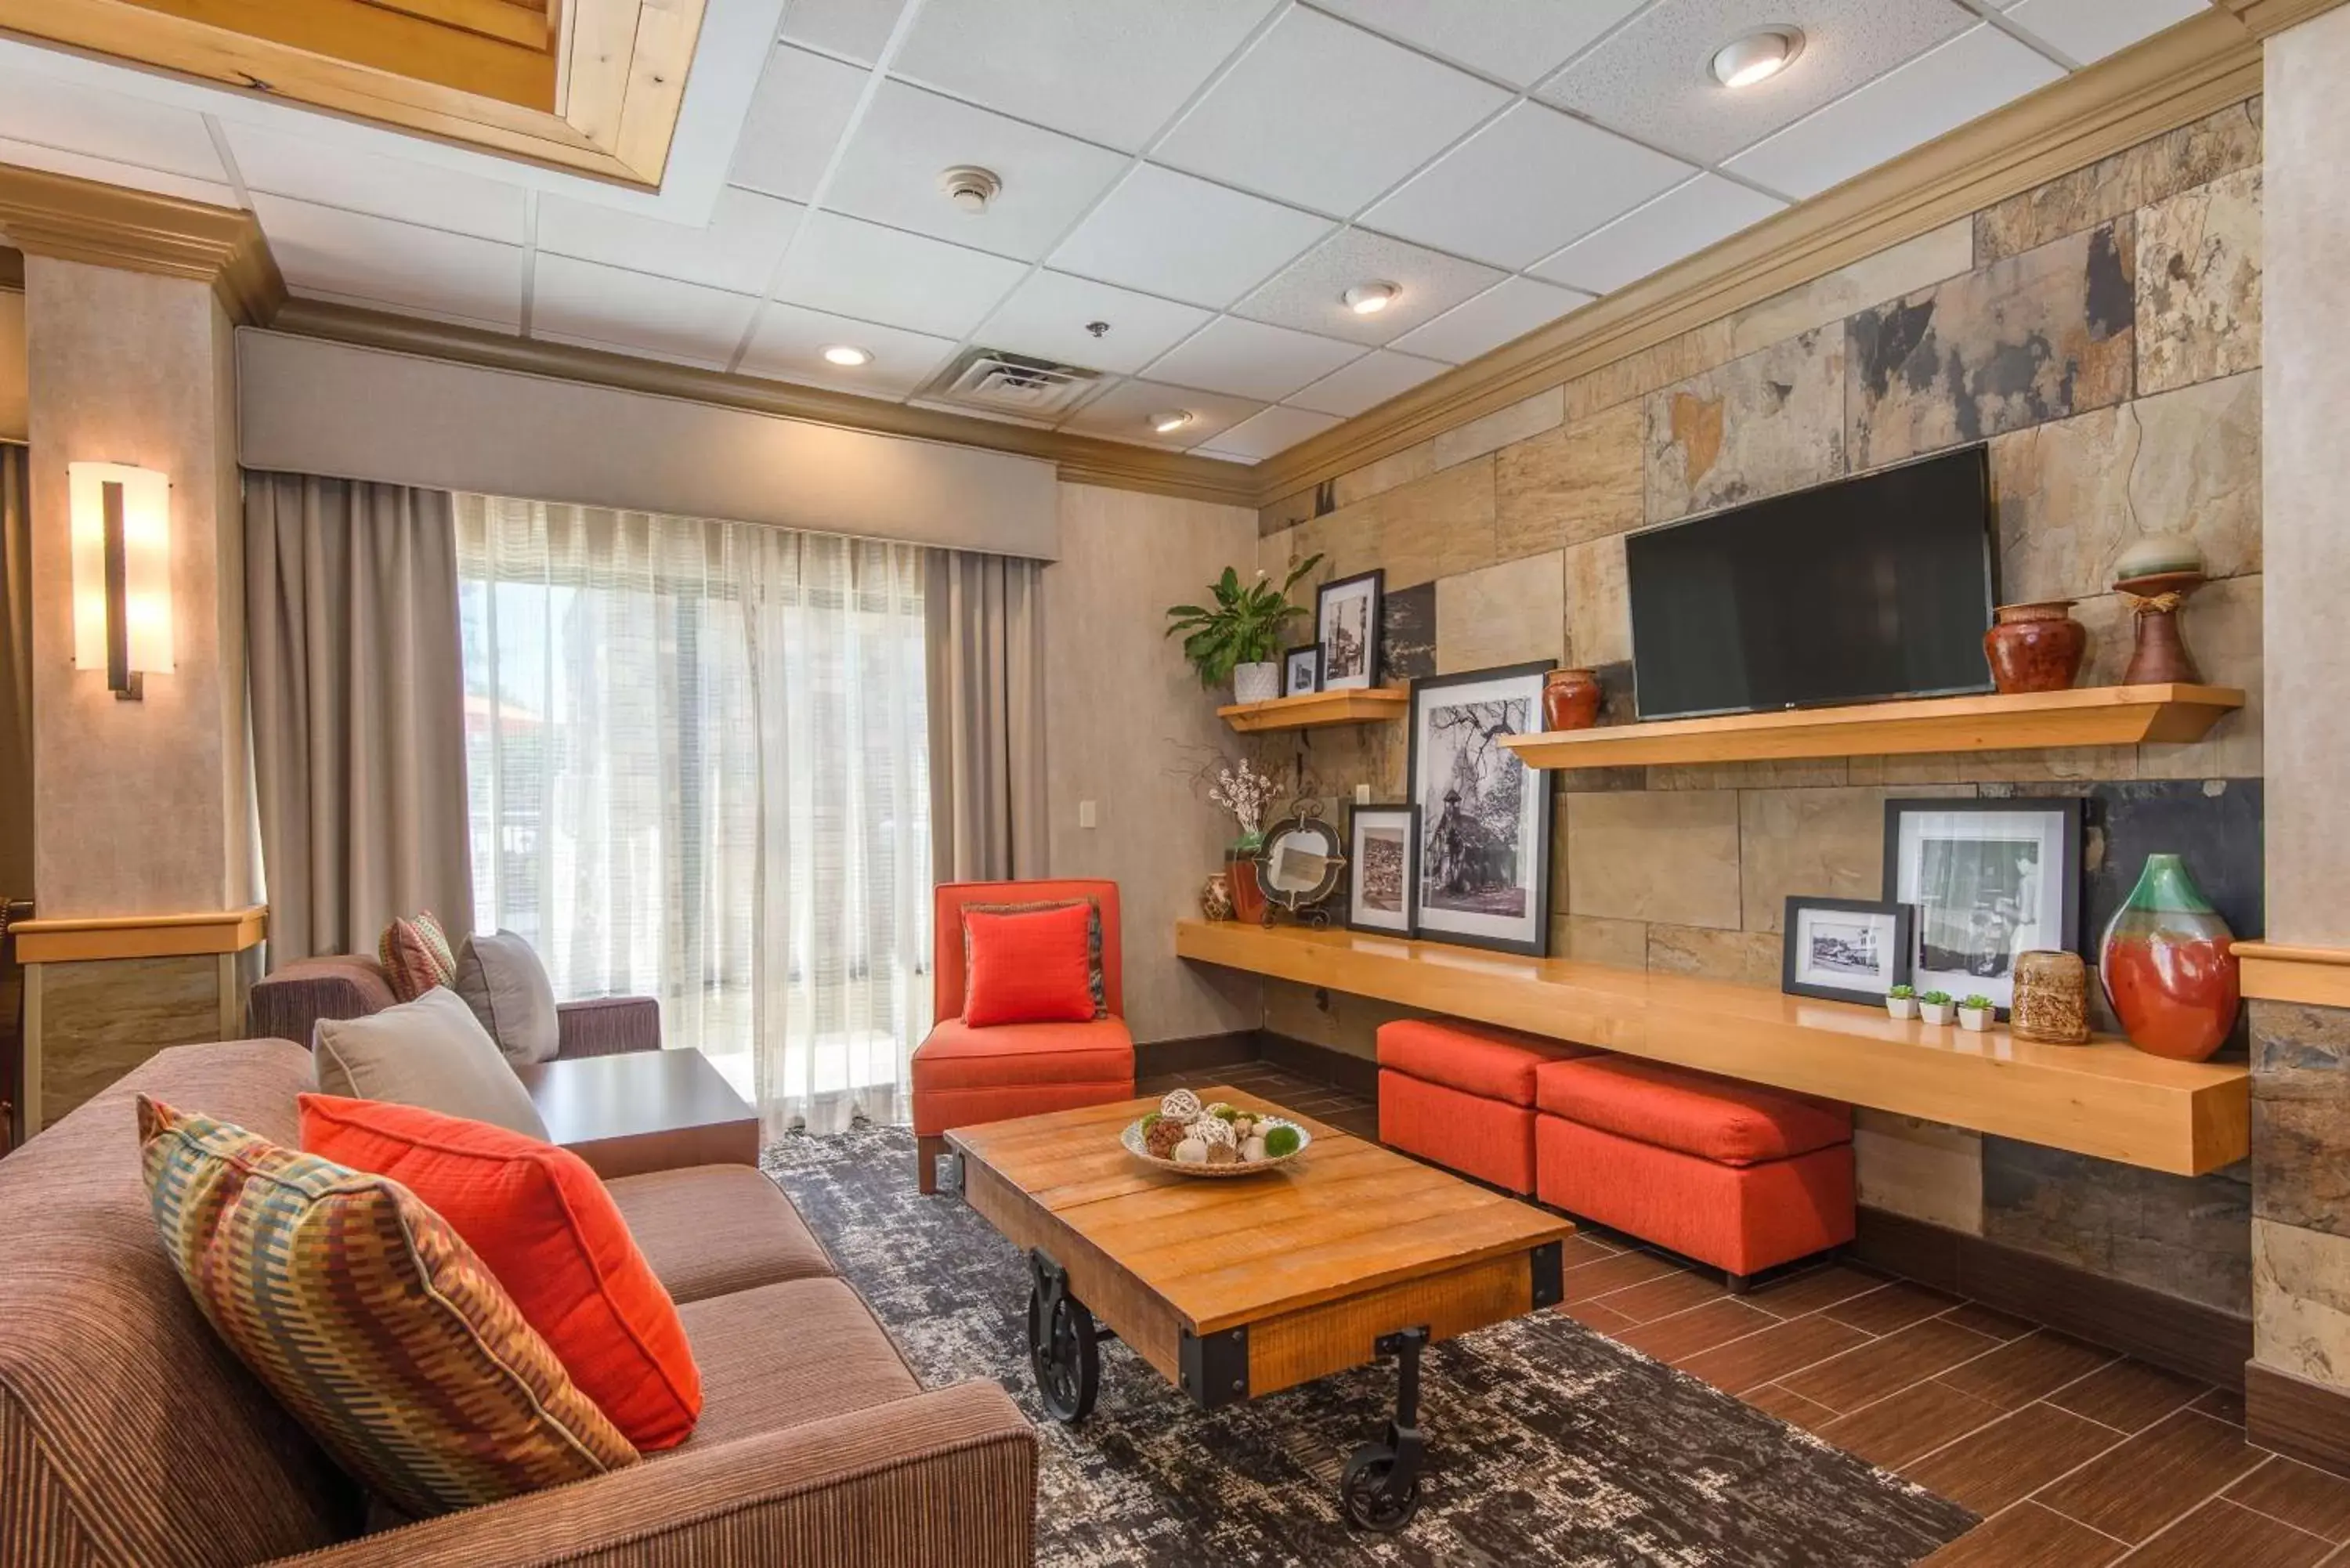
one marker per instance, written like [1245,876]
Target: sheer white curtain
[698,772]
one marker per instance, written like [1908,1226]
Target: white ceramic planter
[1976,1018]
[1937,1011]
[1901,1007]
[1256,682]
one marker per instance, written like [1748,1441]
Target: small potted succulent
[1901,1002]
[1240,639]
[1935,1006]
[1976,1011]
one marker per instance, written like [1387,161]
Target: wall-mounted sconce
[121,572]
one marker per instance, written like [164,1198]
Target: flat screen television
[1862,591]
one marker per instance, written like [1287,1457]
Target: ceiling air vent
[1015,384]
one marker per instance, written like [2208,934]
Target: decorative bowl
[1132,1139]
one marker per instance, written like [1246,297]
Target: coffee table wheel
[1062,1348]
[1370,1493]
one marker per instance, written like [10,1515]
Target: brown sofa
[287,1003]
[131,1437]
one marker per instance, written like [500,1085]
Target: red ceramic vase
[2169,966]
[2035,648]
[1570,699]
[1248,895]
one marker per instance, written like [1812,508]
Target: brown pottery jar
[2036,646]
[1570,699]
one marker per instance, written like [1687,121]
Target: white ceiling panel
[790,342]
[1112,71]
[890,173]
[1940,90]
[604,307]
[326,250]
[1510,309]
[1250,360]
[1520,41]
[855,28]
[1525,186]
[851,268]
[737,250]
[2089,30]
[802,104]
[1680,223]
[1653,79]
[1275,430]
[106,172]
[1367,383]
[1305,294]
[1326,115]
[1186,238]
[1047,315]
[336,176]
[1124,414]
[117,127]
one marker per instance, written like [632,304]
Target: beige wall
[1126,721]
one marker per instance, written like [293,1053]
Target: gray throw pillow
[506,986]
[431,1052]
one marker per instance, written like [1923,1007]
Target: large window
[698,772]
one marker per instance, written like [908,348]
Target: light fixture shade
[146,564]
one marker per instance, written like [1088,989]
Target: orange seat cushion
[1472,1134]
[1720,1119]
[1742,1218]
[544,1224]
[1474,1058]
[959,1056]
[1034,966]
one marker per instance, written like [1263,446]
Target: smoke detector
[969,187]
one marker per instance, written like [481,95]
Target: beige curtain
[986,700]
[15,677]
[359,708]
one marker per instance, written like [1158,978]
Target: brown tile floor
[2074,1456]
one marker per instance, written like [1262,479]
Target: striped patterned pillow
[416,956]
[369,1319]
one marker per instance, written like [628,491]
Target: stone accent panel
[1527,417]
[1435,527]
[101,1017]
[1653,855]
[1583,482]
[1636,375]
[2301,1308]
[1826,843]
[1921,1169]
[1741,958]
[2301,1115]
[1913,264]
[2185,1236]
[1770,423]
[2198,261]
[1592,939]
[1398,468]
[1599,606]
[2218,144]
[1509,614]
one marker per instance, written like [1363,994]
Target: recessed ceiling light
[1171,420]
[1756,57]
[848,354]
[1370,298]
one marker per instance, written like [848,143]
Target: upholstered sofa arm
[945,1480]
[607,1026]
[285,1004]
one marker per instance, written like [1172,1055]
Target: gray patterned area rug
[1549,1444]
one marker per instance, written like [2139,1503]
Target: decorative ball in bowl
[1215,1140]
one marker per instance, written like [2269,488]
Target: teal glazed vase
[2168,965]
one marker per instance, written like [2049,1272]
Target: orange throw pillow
[1035,967]
[546,1227]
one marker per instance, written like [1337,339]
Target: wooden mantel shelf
[1315,710]
[2083,716]
[2103,1098]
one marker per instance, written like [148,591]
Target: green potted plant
[1976,1011]
[1935,1006]
[1901,1002]
[1239,638]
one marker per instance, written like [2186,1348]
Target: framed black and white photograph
[1988,879]
[1346,624]
[1300,671]
[1383,842]
[1843,950]
[1484,815]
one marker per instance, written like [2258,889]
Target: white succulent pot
[1256,682]
[1902,1007]
[1937,1011]
[1976,1018]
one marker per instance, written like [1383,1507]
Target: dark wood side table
[643,1110]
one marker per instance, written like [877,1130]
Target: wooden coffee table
[643,1110]
[1242,1286]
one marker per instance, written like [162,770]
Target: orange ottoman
[1732,1174]
[1462,1096]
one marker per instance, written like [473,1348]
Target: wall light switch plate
[1085,814]
[1362,795]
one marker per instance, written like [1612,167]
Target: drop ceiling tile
[1653,80]
[890,173]
[1525,186]
[737,250]
[1326,115]
[326,250]
[1305,294]
[1251,359]
[2089,30]
[1680,223]
[117,127]
[604,307]
[1112,71]
[1046,317]
[333,174]
[800,108]
[1940,90]
[106,172]
[1123,413]
[1510,309]
[1365,384]
[857,29]
[852,268]
[790,342]
[1186,238]
[1520,41]
[1275,430]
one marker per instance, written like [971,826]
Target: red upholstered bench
[1462,1094]
[1733,1173]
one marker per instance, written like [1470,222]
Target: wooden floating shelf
[1316,710]
[2104,1098]
[2085,716]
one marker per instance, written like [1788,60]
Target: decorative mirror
[1303,864]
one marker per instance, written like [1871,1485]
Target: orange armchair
[964,1076]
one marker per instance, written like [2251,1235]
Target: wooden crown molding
[2279,972]
[109,225]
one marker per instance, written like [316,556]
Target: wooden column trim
[84,938]
[2280,972]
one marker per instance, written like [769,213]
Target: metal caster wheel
[1369,1492]
[1061,1345]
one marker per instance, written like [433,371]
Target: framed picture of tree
[1484,815]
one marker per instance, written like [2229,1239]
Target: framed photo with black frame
[1347,624]
[1484,815]
[1382,850]
[1300,671]
[1988,879]
[1843,950]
